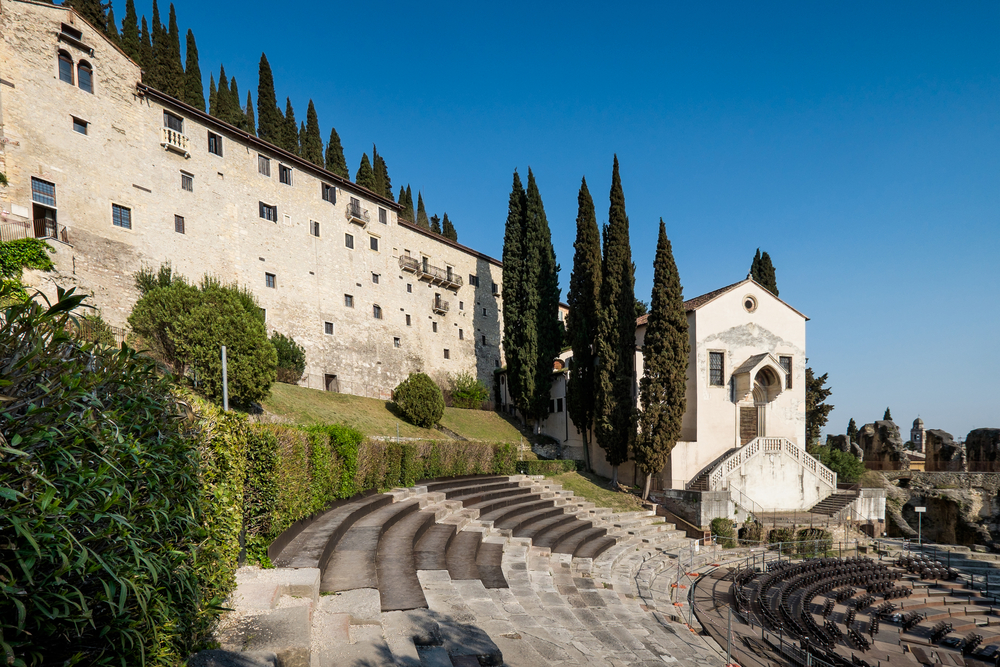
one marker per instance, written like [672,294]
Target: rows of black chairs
[858,640]
[927,568]
[844,593]
[864,602]
[873,627]
[828,607]
[849,616]
[972,641]
[884,609]
[940,631]
[911,619]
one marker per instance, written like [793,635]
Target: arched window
[65,67]
[377,312]
[85,76]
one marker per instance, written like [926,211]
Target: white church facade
[744,430]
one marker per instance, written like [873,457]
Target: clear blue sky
[859,144]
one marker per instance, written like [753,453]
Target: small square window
[375,278]
[270,280]
[285,174]
[461,305]
[349,241]
[328,328]
[407,320]
[559,405]
[175,123]
[268,212]
[373,242]
[472,280]
[383,216]
[447,353]
[461,335]
[187,181]
[395,342]
[484,311]
[179,224]
[80,125]
[314,228]
[716,370]
[496,362]
[484,339]
[496,289]
[329,193]
[434,327]
[349,301]
[121,216]
[377,312]
[214,144]
[409,288]
[264,165]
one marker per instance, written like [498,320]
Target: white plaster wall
[121,161]
[776,481]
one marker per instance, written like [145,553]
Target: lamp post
[920,514]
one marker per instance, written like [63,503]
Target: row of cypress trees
[601,392]
[438,225]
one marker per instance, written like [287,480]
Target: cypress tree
[887,416]
[665,352]
[852,431]
[112,29]
[194,91]
[383,183]
[301,135]
[410,215]
[131,43]
[767,269]
[159,35]
[92,11]
[173,72]
[146,54]
[335,161]
[584,301]
[270,123]
[436,223]
[756,271]
[402,197]
[615,416]
[236,116]
[448,229]
[365,176]
[421,211]
[222,97]
[250,124]
[515,329]
[542,294]
[213,97]
[291,134]
[312,144]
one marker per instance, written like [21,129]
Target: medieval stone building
[121,176]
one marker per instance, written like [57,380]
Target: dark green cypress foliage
[173,72]
[159,35]
[421,211]
[615,418]
[146,54]
[852,431]
[112,28]
[236,116]
[270,123]
[887,416]
[302,136]
[665,352]
[222,97]
[213,97]
[312,141]
[365,176]
[402,197]
[756,271]
[91,10]
[194,91]
[584,301]
[817,410]
[290,137]
[335,161]
[448,229]
[131,43]
[383,183]
[541,291]
[436,223]
[407,211]
[767,268]
[251,125]
[515,329]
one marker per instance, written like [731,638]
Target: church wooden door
[748,425]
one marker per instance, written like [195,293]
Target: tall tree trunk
[586,448]
[645,490]
[614,477]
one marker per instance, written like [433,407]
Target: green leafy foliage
[420,400]
[93,328]
[550,467]
[752,532]
[270,122]
[725,531]
[335,161]
[24,254]
[817,410]
[776,535]
[762,271]
[848,467]
[3,179]
[98,510]
[421,209]
[448,228]
[291,358]
[467,391]
[813,542]
[365,177]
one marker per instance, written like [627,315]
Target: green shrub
[545,467]
[24,254]
[467,391]
[420,400]
[724,530]
[99,512]
[752,531]
[291,358]
[813,542]
[505,459]
[776,535]
[848,467]
[93,328]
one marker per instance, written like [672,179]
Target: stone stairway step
[312,547]
[395,563]
[352,564]
[461,555]
[429,551]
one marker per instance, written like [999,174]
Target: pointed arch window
[85,76]
[65,67]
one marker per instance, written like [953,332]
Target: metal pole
[920,521]
[729,638]
[225,382]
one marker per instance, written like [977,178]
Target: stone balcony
[172,140]
[432,274]
[357,215]
[439,306]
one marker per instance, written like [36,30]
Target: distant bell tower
[918,433]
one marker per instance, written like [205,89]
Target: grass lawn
[595,489]
[374,417]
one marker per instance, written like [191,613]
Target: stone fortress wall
[439,301]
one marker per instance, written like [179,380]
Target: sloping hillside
[375,417]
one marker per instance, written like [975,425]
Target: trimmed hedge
[549,467]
